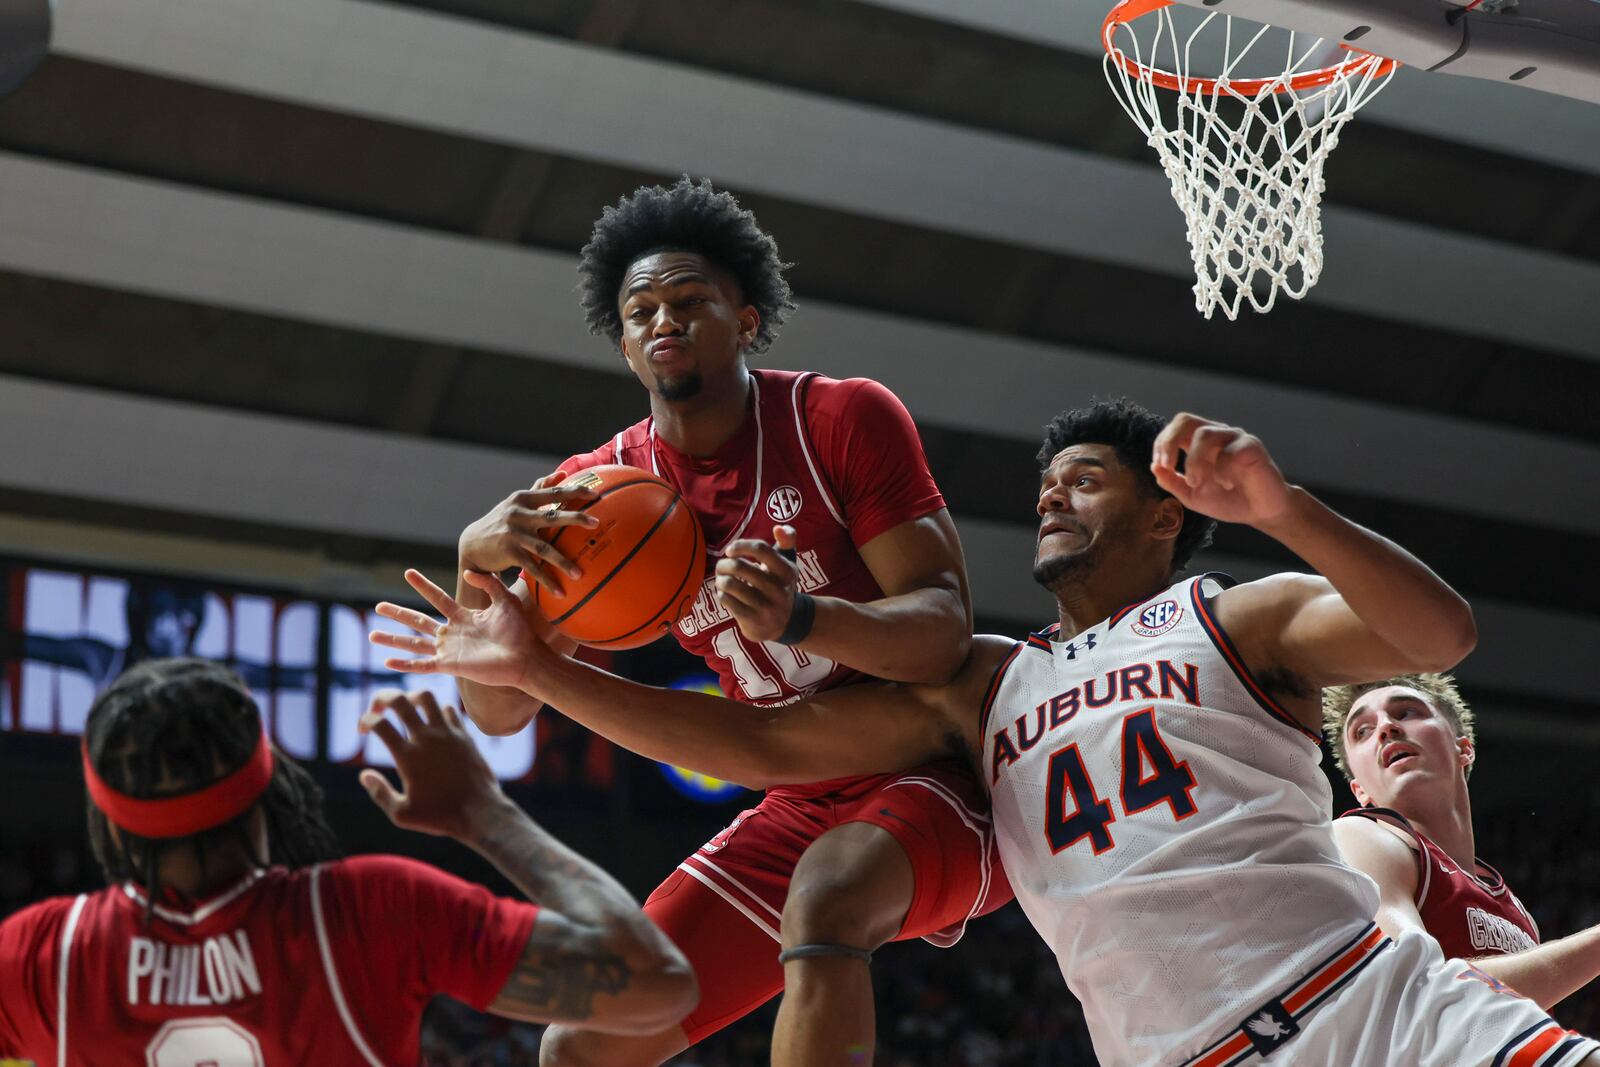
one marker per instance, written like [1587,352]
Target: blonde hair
[1439,689]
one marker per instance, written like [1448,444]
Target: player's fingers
[1172,482]
[1205,445]
[542,496]
[420,665]
[451,717]
[489,583]
[426,705]
[746,616]
[762,581]
[382,793]
[406,711]
[442,602]
[767,555]
[404,642]
[389,734]
[785,537]
[423,624]
[532,520]
[735,596]
[543,554]
[1173,438]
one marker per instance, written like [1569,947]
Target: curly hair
[1131,431]
[171,726]
[1439,689]
[688,216]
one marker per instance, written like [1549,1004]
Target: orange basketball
[642,566]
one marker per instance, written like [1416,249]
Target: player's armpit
[1298,628]
[1378,852]
[600,978]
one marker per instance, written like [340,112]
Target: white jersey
[1166,827]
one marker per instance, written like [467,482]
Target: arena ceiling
[298,274]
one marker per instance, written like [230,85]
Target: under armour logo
[1073,647]
[1270,1027]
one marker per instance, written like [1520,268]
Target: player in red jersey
[199,953]
[1407,745]
[685,281]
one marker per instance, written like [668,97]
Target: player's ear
[1468,752]
[1167,522]
[1360,794]
[749,325]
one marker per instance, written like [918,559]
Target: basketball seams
[677,596]
[623,562]
[656,552]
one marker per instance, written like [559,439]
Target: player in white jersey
[1152,758]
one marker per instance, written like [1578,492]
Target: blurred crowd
[994,1000]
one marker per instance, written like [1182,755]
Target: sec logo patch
[1157,619]
[783,503]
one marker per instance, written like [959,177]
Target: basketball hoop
[1244,154]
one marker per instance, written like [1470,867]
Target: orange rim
[1125,11]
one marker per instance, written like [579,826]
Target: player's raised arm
[592,957]
[919,629]
[850,731]
[509,536]
[1373,609]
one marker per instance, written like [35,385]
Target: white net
[1244,153]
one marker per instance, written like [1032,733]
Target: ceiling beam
[486,81]
[143,236]
[290,473]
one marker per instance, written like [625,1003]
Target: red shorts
[723,905]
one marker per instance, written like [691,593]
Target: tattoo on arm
[561,985]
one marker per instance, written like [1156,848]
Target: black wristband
[801,618]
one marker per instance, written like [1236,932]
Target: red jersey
[331,964]
[1470,913]
[840,461]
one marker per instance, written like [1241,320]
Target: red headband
[187,813]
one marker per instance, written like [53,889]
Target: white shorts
[1400,1002]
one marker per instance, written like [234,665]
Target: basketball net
[1244,154]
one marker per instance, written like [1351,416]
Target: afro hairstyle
[688,216]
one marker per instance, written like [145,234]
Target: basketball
[642,566]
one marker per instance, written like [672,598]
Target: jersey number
[1150,776]
[798,669]
[204,1042]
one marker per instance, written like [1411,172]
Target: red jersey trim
[1235,662]
[994,690]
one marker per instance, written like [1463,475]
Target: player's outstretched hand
[445,784]
[511,534]
[756,584]
[1227,473]
[490,646]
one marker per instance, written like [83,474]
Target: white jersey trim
[805,449]
[972,820]
[755,496]
[332,972]
[705,880]
[63,973]
[200,914]
[731,880]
